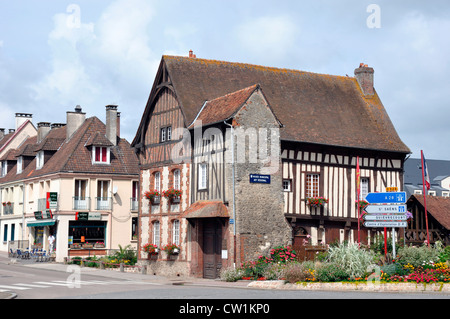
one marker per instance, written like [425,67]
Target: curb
[360,286]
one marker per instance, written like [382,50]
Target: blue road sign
[386,198]
[258,178]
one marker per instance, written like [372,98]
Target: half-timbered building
[249,147]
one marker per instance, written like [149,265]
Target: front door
[212,240]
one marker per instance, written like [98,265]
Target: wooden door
[212,234]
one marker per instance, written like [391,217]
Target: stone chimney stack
[43,129]
[22,118]
[364,76]
[74,121]
[112,124]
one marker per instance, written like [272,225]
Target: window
[287,184]
[432,193]
[445,194]
[176,179]
[80,199]
[156,232]
[364,188]
[417,192]
[103,200]
[176,232]
[100,155]
[202,175]
[134,196]
[312,185]
[40,160]
[166,134]
[134,227]
[19,164]
[158,181]
[4,168]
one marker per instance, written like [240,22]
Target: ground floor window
[87,232]
[39,236]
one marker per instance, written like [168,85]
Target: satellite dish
[115,190]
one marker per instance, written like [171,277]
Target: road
[49,282]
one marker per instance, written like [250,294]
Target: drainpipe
[234,190]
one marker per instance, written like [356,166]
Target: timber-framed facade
[320,125]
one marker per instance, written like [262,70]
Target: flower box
[171,249]
[153,196]
[317,201]
[75,246]
[151,249]
[88,246]
[173,195]
[99,245]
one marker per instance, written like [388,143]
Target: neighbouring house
[77,181]
[437,218]
[262,157]
[439,173]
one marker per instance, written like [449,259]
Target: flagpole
[425,197]
[357,198]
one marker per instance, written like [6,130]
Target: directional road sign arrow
[375,209]
[386,198]
[387,217]
[385,224]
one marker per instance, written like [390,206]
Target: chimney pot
[74,121]
[364,76]
[22,118]
[112,124]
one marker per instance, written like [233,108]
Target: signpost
[386,209]
[374,209]
[386,198]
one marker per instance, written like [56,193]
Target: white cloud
[95,64]
[269,36]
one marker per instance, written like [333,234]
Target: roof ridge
[255,66]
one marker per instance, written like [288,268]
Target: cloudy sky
[55,54]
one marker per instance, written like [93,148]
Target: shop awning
[39,223]
[206,209]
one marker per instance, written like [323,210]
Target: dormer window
[19,164]
[40,160]
[4,168]
[100,155]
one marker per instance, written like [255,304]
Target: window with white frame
[202,175]
[176,179]
[100,155]
[157,181]
[176,232]
[445,194]
[166,134]
[312,185]
[39,159]
[4,168]
[287,185]
[19,164]
[156,233]
[417,192]
[364,188]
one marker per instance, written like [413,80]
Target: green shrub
[351,258]
[420,256]
[295,272]
[331,272]
[274,271]
[231,274]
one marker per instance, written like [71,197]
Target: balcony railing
[103,203]
[134,204]
[81,203]
[8,208]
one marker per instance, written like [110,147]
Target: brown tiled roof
[98,139]
[206,209]
[224,107]
[314,108]
[74,156]
[438,207]
[53,140]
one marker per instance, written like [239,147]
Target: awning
[39,223]
[206,209]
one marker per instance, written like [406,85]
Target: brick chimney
[74,121]
[191,54]
[364,76]
[43,129]
[112,124]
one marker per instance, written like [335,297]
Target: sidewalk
[192,281]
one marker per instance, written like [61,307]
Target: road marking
[32,286]
[14,287]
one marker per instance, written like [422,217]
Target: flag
[425,173]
